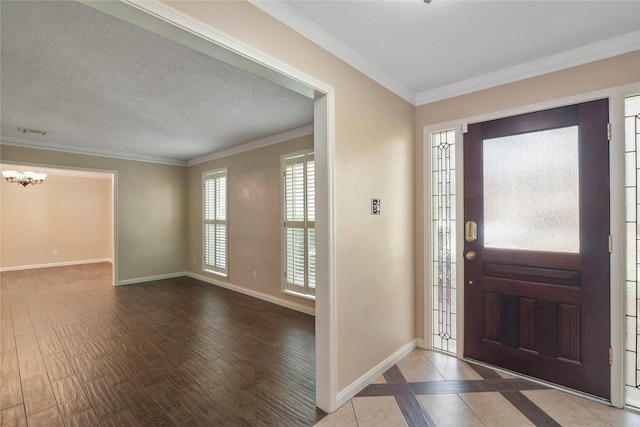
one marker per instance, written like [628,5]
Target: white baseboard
[357,386]
[55,264]
[269,298]
[420,343]
[150,278]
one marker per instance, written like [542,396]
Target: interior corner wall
[374,138]
[254,209]
[66,214]
[591,77]
[150,203]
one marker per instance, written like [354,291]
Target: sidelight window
[632,238]
[443,232]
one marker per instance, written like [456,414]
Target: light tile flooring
[429,388]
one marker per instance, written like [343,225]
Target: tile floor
[429,388]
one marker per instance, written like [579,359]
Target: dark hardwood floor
[77,351]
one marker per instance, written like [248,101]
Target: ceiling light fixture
[24,178]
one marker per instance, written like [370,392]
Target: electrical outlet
[55,252]
[255,275]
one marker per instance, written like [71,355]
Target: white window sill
[299,295]
[217,273]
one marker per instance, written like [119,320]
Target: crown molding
[310,30]
[252,145]
[593,52]
[582,55]
[75,149]
[241,148]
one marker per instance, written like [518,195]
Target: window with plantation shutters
[299,234]
[215,221]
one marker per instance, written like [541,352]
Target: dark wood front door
[536,208]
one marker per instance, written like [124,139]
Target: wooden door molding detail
[492,317]
[527,321]
[569,332]
[533,274]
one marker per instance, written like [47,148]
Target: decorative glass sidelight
[443,232]
[632,239]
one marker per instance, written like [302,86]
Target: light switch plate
[375,207]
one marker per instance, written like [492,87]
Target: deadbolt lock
[471,231]
[471,255]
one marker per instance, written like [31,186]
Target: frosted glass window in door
[530,184]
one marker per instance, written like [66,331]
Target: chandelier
[24,178]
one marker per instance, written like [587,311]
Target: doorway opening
[69,219]
[171,24]
[622,326]
[431,298]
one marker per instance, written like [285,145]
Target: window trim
[220,271]
[308,293]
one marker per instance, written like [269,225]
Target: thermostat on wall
[375,206]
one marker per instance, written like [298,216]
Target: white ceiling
[427,52]
[97,84]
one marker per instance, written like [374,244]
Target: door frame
[181,28]
[616,97]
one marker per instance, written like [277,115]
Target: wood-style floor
[77,351]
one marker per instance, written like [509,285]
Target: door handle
[471,255]
[470,231]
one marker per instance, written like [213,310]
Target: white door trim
[150,15]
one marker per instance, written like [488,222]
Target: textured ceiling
[94,82]
[426,52]
[97,84]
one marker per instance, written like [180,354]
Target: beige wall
[254,217]
[608,73]
[150,204]
[374,138]
[69,214]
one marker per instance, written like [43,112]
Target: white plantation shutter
[215,221]
[299,224]
[311,258]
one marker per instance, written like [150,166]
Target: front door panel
[536,245]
